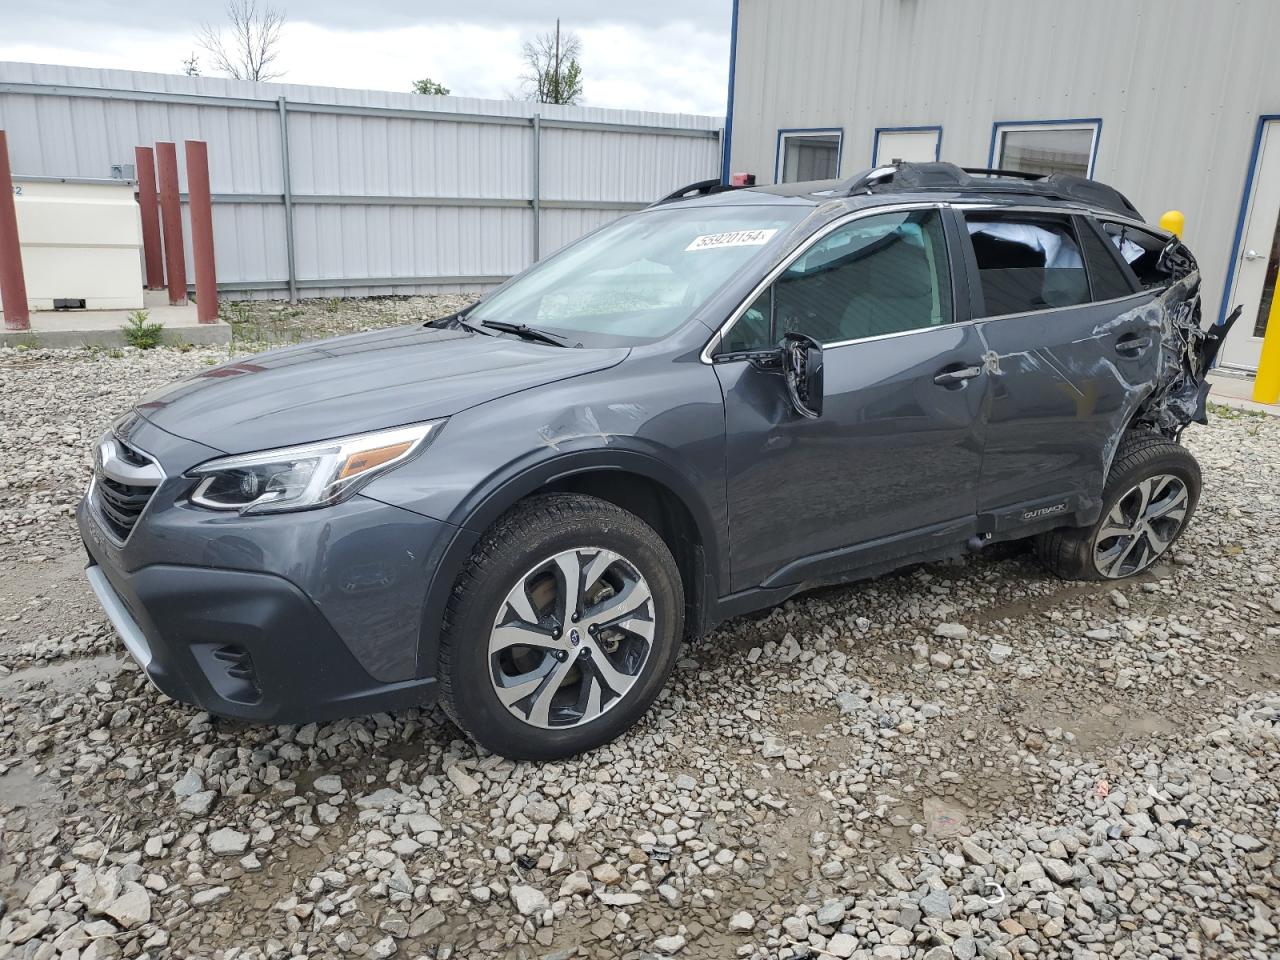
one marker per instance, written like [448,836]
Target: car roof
[926,181]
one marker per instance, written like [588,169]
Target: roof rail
[866,180]
[700,189]
[951,178]
[996,172]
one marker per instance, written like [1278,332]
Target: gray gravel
[957,761]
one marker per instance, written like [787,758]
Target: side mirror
[802,369]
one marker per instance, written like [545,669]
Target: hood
[356,384]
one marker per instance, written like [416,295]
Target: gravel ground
[955,761]
[262,324]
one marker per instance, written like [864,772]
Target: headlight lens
[301,478]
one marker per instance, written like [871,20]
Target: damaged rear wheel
[1151,493]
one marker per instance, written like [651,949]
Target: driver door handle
[950,377]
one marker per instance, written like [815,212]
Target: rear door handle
[1131,346]
[951,378]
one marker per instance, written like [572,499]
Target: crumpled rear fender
[1180,392]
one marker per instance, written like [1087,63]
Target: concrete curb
[208,334]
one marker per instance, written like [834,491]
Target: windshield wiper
[527,332]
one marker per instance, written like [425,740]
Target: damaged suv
[699,410]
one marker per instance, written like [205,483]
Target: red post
[175,259]
[201,206]
[13,287]
[152,251]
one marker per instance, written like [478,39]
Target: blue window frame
[808,153]
[1046,146]
[876,159]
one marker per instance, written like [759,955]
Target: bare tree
[554,74]
[191,65]
[248,47]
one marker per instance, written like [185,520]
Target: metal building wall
[389,192]
[1179,85]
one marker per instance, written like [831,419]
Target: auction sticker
[735,238]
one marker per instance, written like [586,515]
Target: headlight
[300,478]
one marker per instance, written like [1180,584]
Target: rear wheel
[1150,495]
[562,630]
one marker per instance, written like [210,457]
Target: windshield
[639,278]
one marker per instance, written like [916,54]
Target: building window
[1044,148]
[808,155]
[909,144]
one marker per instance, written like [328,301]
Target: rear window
[1106,276]
[1027,262]
[1141,251]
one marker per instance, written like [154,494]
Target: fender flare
[500,492]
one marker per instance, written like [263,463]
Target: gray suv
[522,510]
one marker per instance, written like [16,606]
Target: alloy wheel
[571,638]
[1140,527]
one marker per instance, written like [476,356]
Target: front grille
[124,480]
[131,456]
[120,505]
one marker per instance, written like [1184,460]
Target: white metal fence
[330,192]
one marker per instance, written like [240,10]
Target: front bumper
[241,644]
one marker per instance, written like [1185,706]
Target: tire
[517,672]
[1153,478]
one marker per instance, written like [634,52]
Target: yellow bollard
[1174,222]
[1266,385]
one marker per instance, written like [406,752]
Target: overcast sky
[649,55]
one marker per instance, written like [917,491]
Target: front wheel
[1150,496]
[562,629]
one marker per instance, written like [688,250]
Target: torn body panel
[1084,376]
[1181,390]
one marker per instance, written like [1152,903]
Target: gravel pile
[957,761]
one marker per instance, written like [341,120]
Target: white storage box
[81,240]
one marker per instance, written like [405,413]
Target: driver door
[891,466]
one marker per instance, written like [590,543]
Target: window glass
[911,146]
[1141,251]
[809,157]
[641,277]
[879,274]
[1027,262]
[754,329]
[1106,278]
[1046,150]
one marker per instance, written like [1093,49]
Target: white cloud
[675,67]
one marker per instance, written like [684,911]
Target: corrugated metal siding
[400,171]
[1179,85]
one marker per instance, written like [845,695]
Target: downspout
[727,146]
